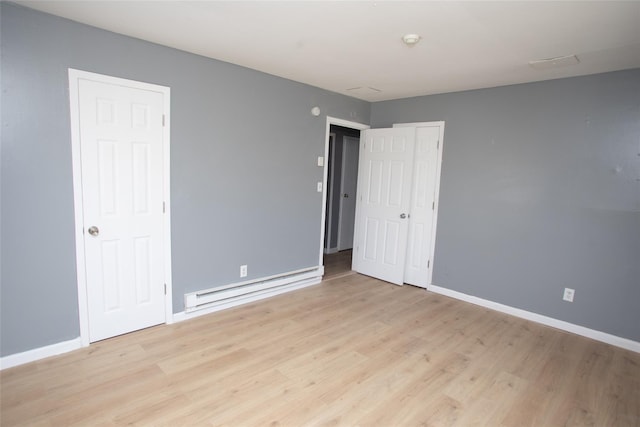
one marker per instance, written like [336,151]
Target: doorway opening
[342,178]
[341,175]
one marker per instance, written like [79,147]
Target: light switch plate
[320,161]
[319,187]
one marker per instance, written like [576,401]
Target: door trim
[436,197]
[76,161]
[346,124]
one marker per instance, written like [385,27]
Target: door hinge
[433,206]
[438,145]
[428,263]
[163,120]
[164,210]
[165,288]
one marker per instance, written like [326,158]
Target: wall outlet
[320,161]
[319,187]
[243,271]
[568,294]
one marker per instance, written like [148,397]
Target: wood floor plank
[426,381]
[493,395]
[350,351]
[350,405]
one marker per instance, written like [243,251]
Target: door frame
[436,198]
[347,124]
[75,76]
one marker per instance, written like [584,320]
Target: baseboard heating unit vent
[252,290]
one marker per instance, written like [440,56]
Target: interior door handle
[93,230]
[403,216]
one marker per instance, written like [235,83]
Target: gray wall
[244,148]
[540,190]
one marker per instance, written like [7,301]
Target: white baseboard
[539,318]
[329,251]
[39,353]
[179,317]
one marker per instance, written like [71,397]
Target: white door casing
[348,188]
[120,149]
[382,209]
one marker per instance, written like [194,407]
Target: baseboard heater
[252,289]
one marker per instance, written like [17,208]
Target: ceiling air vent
[363,90]
[560,61]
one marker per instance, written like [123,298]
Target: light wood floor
[350,351]
[337,264]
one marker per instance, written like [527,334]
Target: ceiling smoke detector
[411,39]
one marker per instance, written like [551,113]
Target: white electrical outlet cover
[319,187]
[320,161]
[568,294]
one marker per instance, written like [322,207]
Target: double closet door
[396,202]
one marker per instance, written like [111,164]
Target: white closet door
[122,194]
[384,191]
[420,237]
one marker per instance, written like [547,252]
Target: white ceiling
[342,45]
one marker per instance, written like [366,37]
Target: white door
[348,187]
[384,190]
[422,207]
[121,144]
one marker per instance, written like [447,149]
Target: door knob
[93,230]
[403,216]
